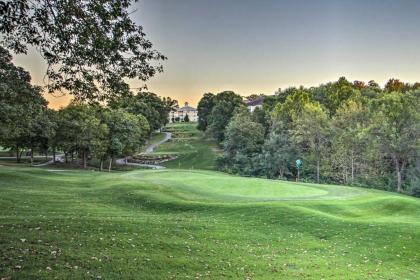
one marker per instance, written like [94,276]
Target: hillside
[193,150]
[190,224]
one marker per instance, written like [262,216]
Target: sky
[258,46]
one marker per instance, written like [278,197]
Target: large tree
[80,130]
[21,105]
[126,133]
[91,47]
[311,130]
[204,108]
[225,104]
[244,139]
[396,130]
[278,154]
[349,136]
[154,108]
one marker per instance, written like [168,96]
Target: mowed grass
[193,150]
[190,224]
[155,138]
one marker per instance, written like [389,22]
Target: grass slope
[194,151]
[184,224]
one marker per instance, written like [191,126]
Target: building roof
[255,102]
[187,108]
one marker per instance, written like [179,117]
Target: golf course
[61,223]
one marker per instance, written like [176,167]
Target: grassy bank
[193,150]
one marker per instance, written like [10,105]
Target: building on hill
[255,103]
[179,114]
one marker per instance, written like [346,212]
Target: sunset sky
[251,46]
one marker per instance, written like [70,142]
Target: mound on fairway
[219,187]
[184,224]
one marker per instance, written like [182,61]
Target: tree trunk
[20,154]
[84,159]
[72,156]
[399,181]
[345,174]
[317,168]
[66,157]
[110,164]
[32,155]
[54,154]
[281,172]
[399,168]
[17,154]
[102,164]
[352,167]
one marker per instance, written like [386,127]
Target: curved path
[58,158]
[148,150]
[152,147]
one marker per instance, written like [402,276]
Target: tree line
[80,130]
[344,132]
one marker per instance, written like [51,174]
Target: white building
[256,103]
[179,114]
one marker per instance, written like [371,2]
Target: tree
[90,47]
[225,104]
[332,95]
[348,139]
[152,107]
[80,130]
[292,107]
[394,85]
[244,139]
[186,118]
[21,105]
[204,108]
[169,105]
[278,152]
[41,130]
[396,129]
[126,133]
[311,132]
[254,96]
[261,116]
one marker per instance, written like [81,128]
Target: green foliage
[91,47]
[23,109]
[278,153]
[152,107]
[396,129]
[223,110]
[311,132]
[332,95]
[243,142]
[350,133]
[80,130]
[291,108]
[204,108]
[262,117]
[127,132]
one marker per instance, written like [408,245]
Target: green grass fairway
[194,151]
[190,224]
